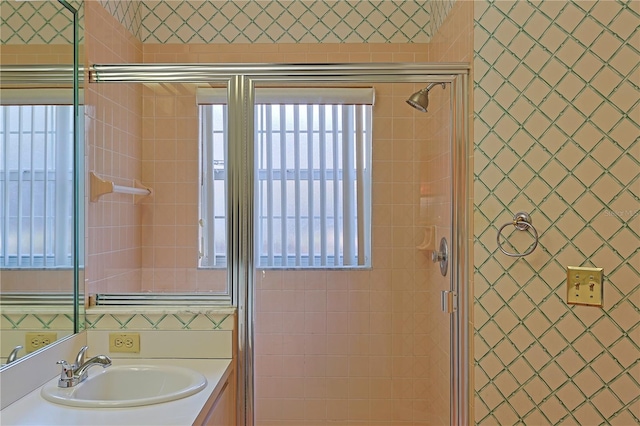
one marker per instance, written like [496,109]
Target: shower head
[420,99]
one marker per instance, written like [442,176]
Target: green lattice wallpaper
[262,21]
[160,321]
[127,12]
[286,21]
[557,122]
[38,22]
[283,21]
[36,321]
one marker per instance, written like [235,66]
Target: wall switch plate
[124,342]
[38,339]
[584,286]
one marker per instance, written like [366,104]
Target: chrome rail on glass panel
[205,73]
[37,74]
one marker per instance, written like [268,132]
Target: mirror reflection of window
[36,182]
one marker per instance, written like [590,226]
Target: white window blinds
[36,181]
[313,177]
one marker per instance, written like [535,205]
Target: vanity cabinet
[220,408]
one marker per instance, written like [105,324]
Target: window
[36,183]
[313,177]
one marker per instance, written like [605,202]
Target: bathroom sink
[128,386]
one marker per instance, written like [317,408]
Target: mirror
[41,212]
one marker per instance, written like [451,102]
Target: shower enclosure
[384,339]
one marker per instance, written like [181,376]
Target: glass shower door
[433,320]
[362,344]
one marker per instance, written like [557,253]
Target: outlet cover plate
[39,339]
[124,342]
[585,286]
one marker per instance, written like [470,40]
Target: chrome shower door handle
[442,256]
[448,301]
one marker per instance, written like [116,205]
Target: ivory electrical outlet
[124,342]
[38,339]
[584,286]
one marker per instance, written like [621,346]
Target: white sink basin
[128,386]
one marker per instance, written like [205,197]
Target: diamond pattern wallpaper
[161,321]
[126,12]
[557,123]
[249,21]
[262,21]
[286,21]
[36,321]
[37,22]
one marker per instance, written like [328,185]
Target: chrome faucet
[76,373]
[81,355]
[14,354]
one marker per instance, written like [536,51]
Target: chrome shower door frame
[457,76]
[241,82]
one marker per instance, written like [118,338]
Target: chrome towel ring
[522,222]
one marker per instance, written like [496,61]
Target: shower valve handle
[441,256]
[437,256]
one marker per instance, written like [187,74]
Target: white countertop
[35,410]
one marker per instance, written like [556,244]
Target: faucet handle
[66,375]
[14,354]
[80,356]
[67,370]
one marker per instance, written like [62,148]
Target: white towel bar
[100,187]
